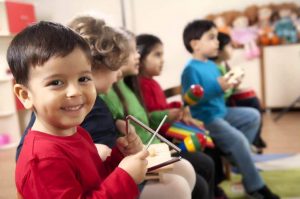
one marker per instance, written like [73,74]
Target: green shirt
[223,71]
[134,108]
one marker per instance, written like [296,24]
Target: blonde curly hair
[109,46]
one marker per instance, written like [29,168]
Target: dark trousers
[205,174]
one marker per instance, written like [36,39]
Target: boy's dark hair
[195,30]
[224,39]
[39,42]
[145,43]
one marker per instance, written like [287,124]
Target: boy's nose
[73,90]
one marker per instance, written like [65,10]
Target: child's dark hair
[109,46]
[39,42]
[224,39]
[145,44]
[195,30]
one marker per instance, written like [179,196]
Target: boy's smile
[61,92]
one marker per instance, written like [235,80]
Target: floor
[282,136]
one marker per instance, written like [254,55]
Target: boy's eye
[85,79]
[55,83]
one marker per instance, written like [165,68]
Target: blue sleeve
[209,83]
[19,148]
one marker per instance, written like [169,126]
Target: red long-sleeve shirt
[70,167]
[154,97]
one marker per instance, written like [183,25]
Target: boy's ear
[24,95]
[194,44]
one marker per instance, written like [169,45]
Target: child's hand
[103,151]
[224,83]
[136,165]
[131,142]
[187,117]
[175,114]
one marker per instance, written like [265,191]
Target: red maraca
[193,95]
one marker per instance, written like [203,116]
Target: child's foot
[263,193]
[220,193]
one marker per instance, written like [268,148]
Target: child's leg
[204,167]
[254,103]
[246,120]
[234,143]
[171,186]
[185,169]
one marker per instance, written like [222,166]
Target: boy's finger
[122,142]
[143,154]
[131,137]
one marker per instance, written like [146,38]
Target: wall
[167,19]
[64,11]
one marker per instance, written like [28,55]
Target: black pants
[205,174]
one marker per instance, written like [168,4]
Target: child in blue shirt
[233,129]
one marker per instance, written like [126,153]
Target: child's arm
[57,178]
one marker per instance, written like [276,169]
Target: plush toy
[221,24]
[266,34]
[243,34]
[295,16]
[284,27]
[251,13]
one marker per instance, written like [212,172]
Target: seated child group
[97,127]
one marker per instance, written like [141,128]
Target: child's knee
[178,186]
[186,170]
[254,115]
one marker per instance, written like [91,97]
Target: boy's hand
[103,151]
[187,117]
[175,114]
[224,83]
[131,142]
[136,165]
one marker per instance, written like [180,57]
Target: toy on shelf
[4,139]
[243,34]
[266,32]
[284,27]
[220,22]
[295,16]
[193,94]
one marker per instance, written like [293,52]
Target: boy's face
[154,61]
[61,92]
[207,46]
